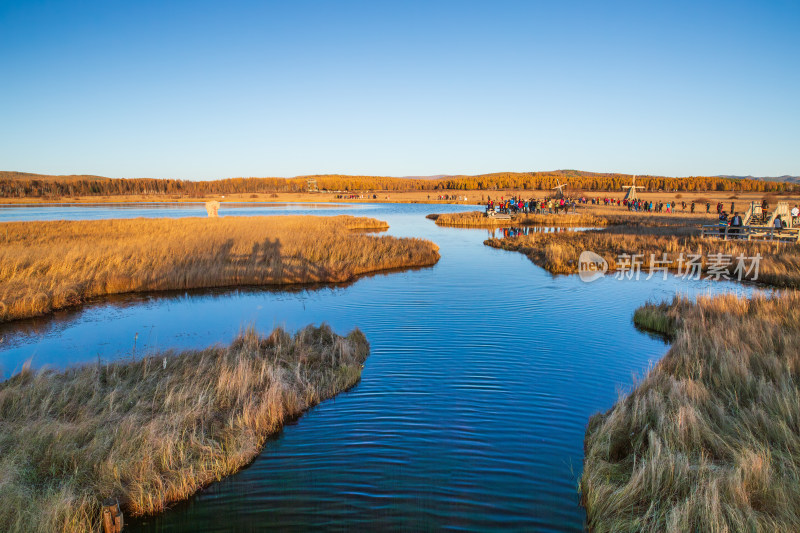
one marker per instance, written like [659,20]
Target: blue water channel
[472,407]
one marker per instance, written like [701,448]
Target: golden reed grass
[477,219]
[587,216]
[52,265]
[154,431]
[559,252]
[710,438]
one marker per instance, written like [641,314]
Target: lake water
[472,407]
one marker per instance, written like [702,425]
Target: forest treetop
[22,185]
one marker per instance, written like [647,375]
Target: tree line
[20,185]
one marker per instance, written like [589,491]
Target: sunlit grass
[154,431]
[559,252]
[52,265]
[710,439]
[586,216]
[477,219]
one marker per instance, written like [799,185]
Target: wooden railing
[748,214]
[751,233]
[782,210]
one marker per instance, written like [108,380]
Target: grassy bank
[476,219]
[587,216]
[52,265]
[470,219]
[559,252]
[710,439]
[154,431]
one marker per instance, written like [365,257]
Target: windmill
[559,189]
[631,194]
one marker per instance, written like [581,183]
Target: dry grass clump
[154,431]
[655,318]
[559,252]
[51,265]
[710,439]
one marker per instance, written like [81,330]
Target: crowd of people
[516,204]
[655,207]
[451,197]
[548,205]
[352,196]
[563,204]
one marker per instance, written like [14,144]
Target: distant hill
[785,178]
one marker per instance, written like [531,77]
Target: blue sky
[208,90]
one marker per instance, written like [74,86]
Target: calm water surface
[472,406]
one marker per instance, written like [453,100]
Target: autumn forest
[24,185]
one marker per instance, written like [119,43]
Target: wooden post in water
[112,516]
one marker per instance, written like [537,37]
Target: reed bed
[559,252]
[709,440]
[587,216]
[155,430]
[477,219]
[52,265]
[470,219]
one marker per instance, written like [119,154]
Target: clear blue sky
[206,90]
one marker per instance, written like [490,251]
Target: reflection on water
[472,406]
[516,231]
[18,336]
